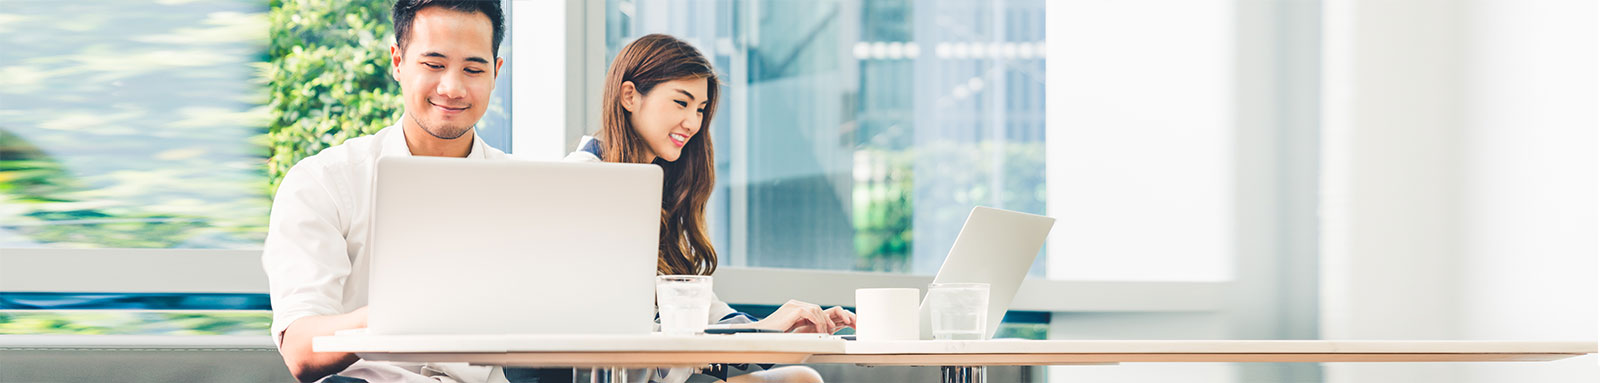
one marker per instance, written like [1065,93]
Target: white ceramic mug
[887,314]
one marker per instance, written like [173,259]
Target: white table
[964,361]
[960,361]
[1013,352]
[607,355]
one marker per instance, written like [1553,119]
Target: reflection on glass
[142,124]
[859,134]
[132,124]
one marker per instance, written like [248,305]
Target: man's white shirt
[318,243]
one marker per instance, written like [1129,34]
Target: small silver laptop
[995,247]
[465,246]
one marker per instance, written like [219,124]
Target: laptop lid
[995,247]
[505,247]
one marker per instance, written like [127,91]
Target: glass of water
[684,303]
[959,311]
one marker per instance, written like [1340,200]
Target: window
[858,135]
[142,124]
[133,124]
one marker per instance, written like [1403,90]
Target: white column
[1459,200]
[539,99]
[1139,139]
[1529,191]
[1391,139]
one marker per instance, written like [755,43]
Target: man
[446,58]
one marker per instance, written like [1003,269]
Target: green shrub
[881,212]
[884,204]
[329,76]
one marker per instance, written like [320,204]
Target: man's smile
[448,109]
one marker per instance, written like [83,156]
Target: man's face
[447,70]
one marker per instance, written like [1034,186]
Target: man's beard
[442,132]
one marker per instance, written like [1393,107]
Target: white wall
[1529,191]
[1181,146]
[1459,180]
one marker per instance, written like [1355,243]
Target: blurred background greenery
[328,76]
[229,322]
[133,124]
[166,124]
[145,124]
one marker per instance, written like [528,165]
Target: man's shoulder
[353,155]
[362,149]
[493,153]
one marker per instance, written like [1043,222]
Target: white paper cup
[887,314]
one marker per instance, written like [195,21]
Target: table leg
[603,375]
[965,374]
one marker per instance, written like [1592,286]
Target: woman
[660,95]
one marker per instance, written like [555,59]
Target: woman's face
[669,116]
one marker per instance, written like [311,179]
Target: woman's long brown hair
[653,59]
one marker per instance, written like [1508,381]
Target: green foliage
[883,205]
[116,322]
[882,212]
[1037,331]
[329,76]
[44,194]
[28,175]
[1018,166]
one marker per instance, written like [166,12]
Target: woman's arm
[800,316]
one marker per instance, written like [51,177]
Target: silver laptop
[995,247]
[465,246]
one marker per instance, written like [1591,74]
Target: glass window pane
[858,135]
[141,124]
[132,124]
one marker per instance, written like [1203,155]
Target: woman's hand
[797,316]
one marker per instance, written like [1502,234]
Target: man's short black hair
[406,10]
